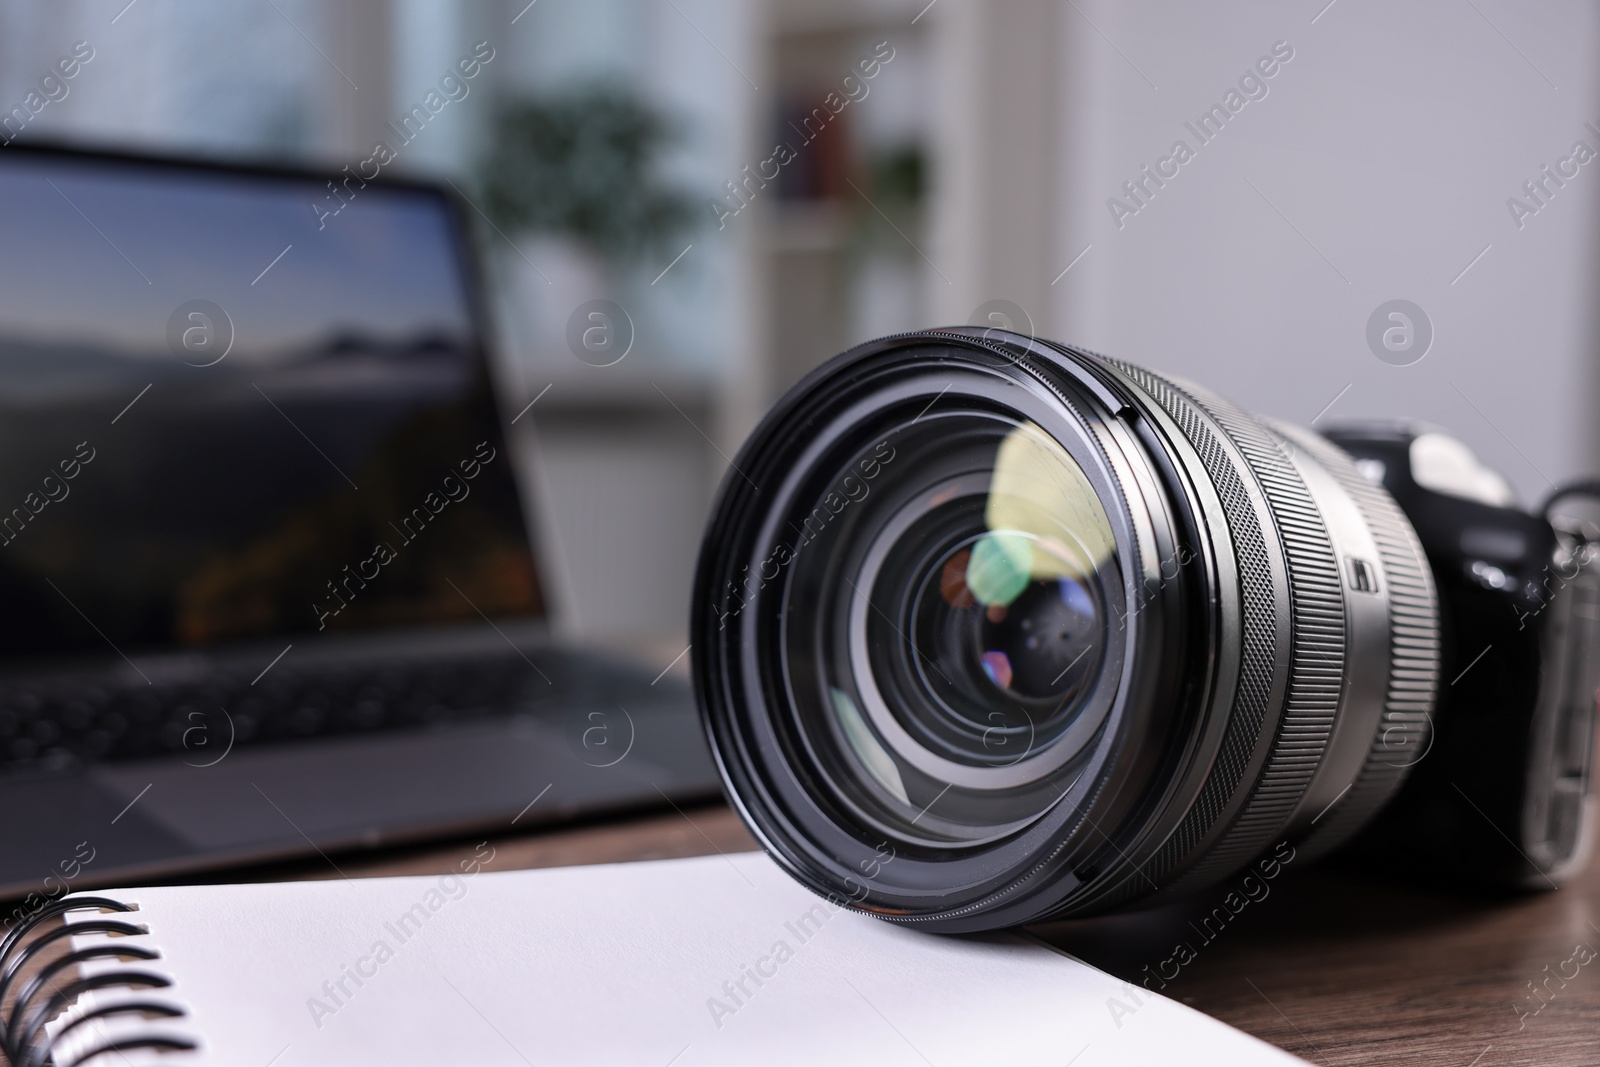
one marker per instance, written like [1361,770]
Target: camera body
[1503,791]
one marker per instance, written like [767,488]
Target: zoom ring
[1405,731]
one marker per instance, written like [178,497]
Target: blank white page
[719,960]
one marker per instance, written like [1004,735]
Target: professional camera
[990,630]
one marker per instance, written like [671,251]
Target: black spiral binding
[23,1035]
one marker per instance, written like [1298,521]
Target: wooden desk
[1345,968]
[1336,967]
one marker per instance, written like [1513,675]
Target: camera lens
[999,631]
[948,622]
[989,630]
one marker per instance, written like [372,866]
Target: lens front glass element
[952,626]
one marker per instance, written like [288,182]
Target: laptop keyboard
[58,726]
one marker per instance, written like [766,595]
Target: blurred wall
[1377,166]
[1002,114]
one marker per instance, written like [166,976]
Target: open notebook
[677,963]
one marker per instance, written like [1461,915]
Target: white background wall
[1387,148]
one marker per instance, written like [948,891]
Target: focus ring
[1259,609]
[1317,649]
[1413,651]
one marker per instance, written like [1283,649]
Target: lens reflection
[949,631]
[1003,641]
[1032,630]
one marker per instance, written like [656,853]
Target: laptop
[266,581]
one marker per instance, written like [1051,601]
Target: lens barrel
[989,630]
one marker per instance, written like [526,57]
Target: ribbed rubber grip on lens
[1317,651]
[1405,732]
[1258,639]
[1315,656]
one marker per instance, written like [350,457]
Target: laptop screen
[239,405]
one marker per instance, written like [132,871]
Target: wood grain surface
[1343,967]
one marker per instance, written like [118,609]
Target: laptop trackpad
[64,830]
[357,791]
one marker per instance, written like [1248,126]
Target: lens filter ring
[781,727]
